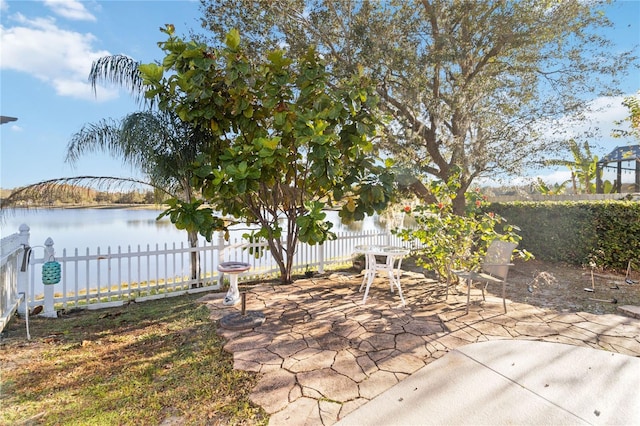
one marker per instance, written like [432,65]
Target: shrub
[604,233]
[450,242]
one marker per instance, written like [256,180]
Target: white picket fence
[113,277]
[11,259]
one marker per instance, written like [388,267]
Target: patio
[323,354]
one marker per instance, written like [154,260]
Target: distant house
[625,158]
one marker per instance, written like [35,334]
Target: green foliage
[192,217]
[284,140]
[313,227]
[583,169]
[451,241]
[254,237]
[604,233]
[546,189]
[632,103]
[617,225]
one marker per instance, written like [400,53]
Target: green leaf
[233,39]
[151,72]
[169,60]
[276,57]
[271,143]
[248,113]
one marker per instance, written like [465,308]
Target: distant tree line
[75,195]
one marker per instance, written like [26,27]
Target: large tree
[468,83]
[284,143]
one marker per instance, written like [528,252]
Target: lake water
[72,228]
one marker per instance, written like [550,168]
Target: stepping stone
[633,311]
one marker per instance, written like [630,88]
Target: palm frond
[103,136]
[56,188]
[122,71]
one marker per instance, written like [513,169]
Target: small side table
[233,269]
[243,319]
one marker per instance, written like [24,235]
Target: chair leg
[367,271]
[504,302]
[365,278]
[468,293]
[395,281]
[400,292]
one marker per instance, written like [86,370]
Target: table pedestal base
[233,269]
[233,294]
[240,321]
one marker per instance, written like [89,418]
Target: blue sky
[46,51]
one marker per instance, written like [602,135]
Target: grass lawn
[138,364]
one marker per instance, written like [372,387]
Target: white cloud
[60,58]
[548,176]
[70,9]
[558,176]
[4,6]
[596,124]
[16,128]
[605,111]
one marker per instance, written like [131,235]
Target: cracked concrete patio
[322,354]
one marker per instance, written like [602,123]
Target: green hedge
[607,232]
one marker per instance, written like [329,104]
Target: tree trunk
[195,258]
[277,251]
[459,203]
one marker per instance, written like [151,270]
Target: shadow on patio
[322,353]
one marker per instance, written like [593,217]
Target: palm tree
[159,144]
[166,163]
[583,167]
[120,70]
[156,142]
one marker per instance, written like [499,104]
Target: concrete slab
[631,310]
[513,382]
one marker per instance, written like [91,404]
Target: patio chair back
[496,261]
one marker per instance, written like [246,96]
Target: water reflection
[91,227]
[162,223]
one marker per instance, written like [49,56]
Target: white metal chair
[494,269]
[390,267]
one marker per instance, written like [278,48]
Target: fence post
[22,284]
[49,310]
[387,235]
[221,247]
[320,258]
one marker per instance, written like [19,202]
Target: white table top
[233,267]
[382,250]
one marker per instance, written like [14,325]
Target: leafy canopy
[467,82]
[286,140]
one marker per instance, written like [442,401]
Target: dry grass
[561,287]
[139,364]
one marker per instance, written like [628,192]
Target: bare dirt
[568,288]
